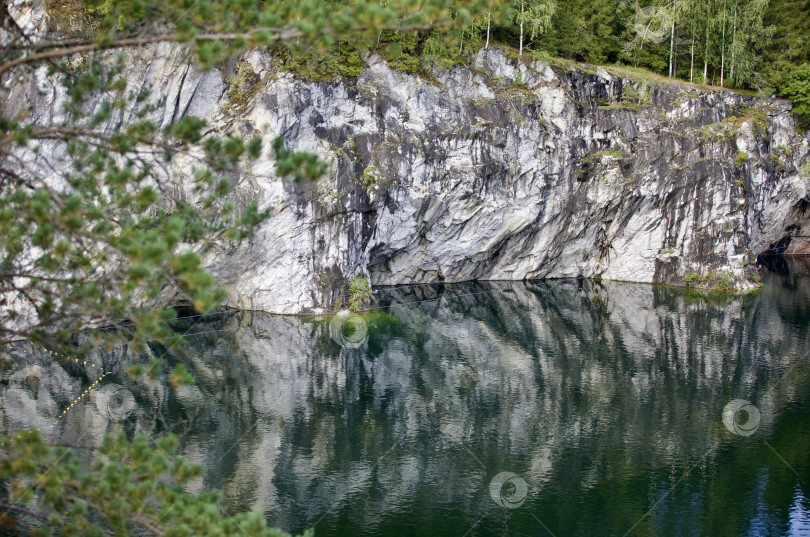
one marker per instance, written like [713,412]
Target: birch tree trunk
[706,52]
[379,34]
[733,41]
[521,30]
[675,57]
[723,49]
[489,17]
[672,49]
[692,57]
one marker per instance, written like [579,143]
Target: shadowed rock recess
[502,171]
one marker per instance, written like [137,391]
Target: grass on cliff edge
[640,74]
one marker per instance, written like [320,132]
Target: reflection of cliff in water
[587,390]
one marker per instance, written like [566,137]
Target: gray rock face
[505,171]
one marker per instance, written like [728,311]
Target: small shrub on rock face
[242,83]
[359,293]
[723,282]
[370,179]
[694,279]
[718,282]
[71,17]
[804,170]
[320,65]
[740,159]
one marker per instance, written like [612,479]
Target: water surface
[603,401]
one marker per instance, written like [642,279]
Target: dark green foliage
[790,46]
[596,31]
[342,60]
[401,49]
[300,166]
[586,31]
[130,488]
[797,89]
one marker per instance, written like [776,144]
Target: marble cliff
[504,170]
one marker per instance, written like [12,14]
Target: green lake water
[559,408]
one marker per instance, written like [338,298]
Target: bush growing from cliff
[715,281]
[342,60]
[359,293]
[242,83]
[797,90]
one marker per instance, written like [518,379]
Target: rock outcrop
[501,171]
